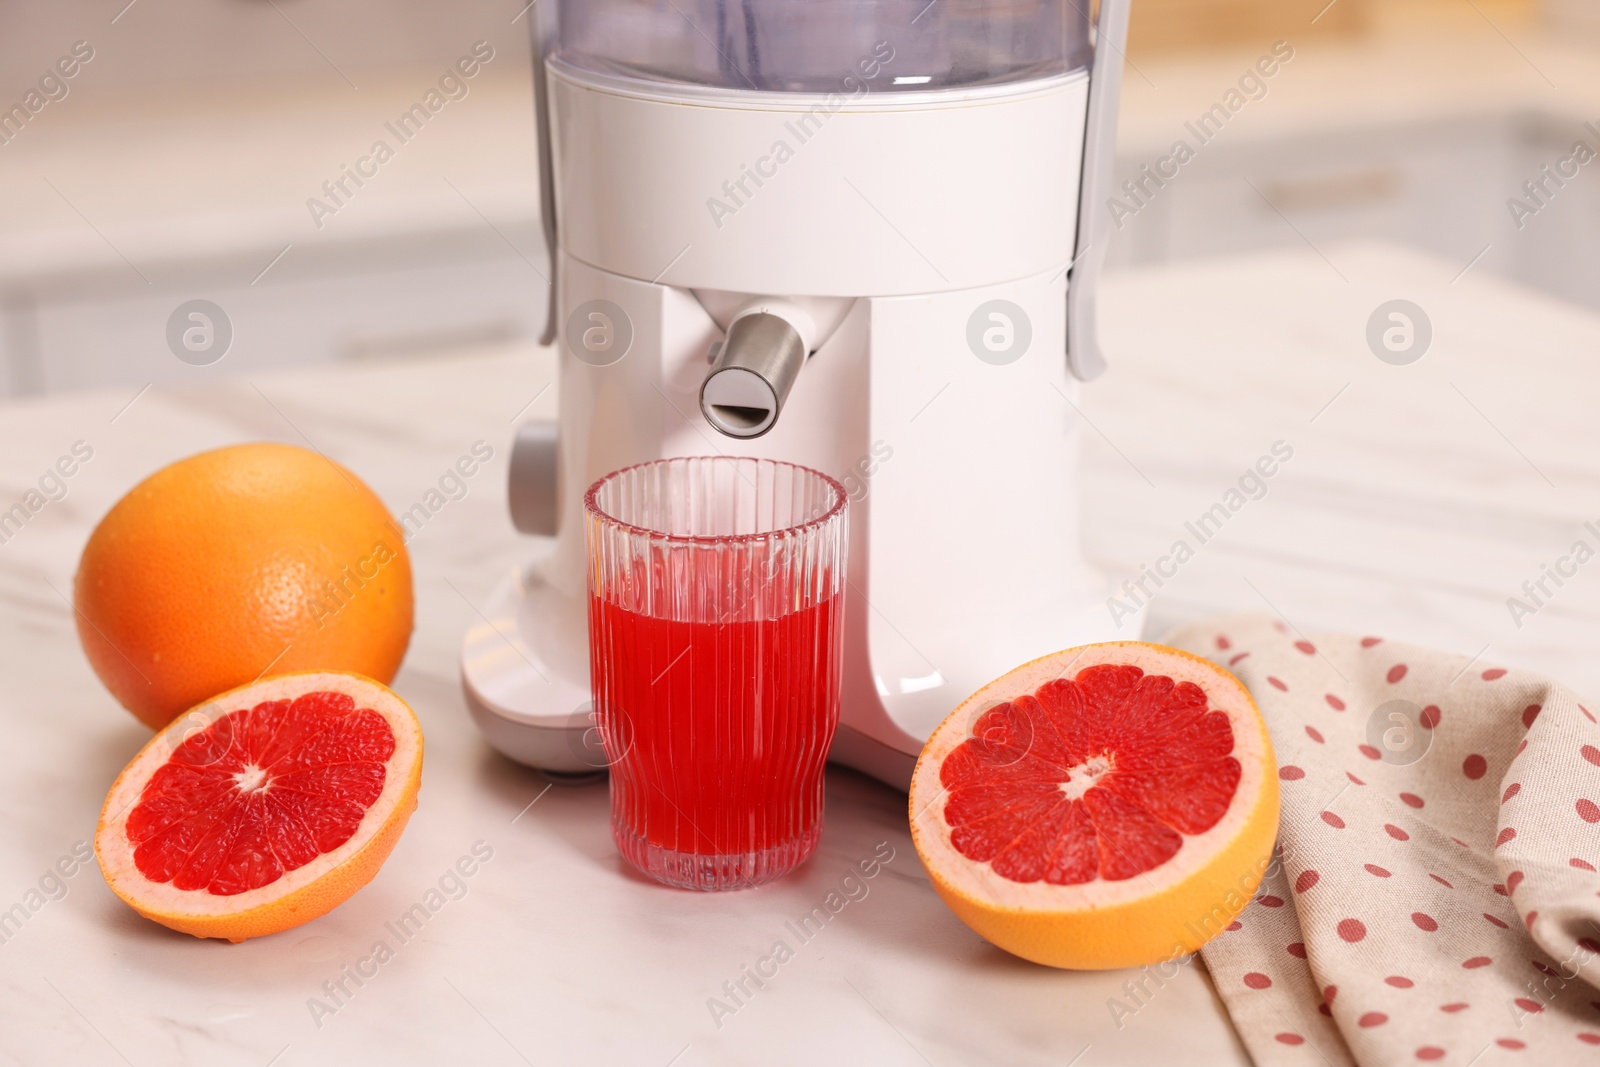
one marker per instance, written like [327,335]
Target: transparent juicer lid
[823,46]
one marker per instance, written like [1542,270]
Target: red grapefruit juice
[716,732]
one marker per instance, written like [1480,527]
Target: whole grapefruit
[234,562]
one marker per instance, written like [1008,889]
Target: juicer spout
[765,347]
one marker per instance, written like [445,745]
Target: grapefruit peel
[203,739]
[1152,909]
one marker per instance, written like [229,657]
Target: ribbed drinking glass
[716,591]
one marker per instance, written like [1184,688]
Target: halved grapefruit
[1108,806]
[264,807]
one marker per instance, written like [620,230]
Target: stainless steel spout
[751,378]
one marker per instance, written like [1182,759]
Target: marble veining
[1417,501]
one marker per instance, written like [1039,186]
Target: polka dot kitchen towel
[1435,896]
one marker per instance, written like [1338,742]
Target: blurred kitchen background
[177,163]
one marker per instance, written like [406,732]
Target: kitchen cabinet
[373,312]
[1441,185]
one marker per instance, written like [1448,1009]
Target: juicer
[857,235]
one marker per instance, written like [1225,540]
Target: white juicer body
[926,242]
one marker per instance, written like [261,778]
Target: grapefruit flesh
[1108,806]
[263,808]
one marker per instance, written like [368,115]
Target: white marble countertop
[1418,499]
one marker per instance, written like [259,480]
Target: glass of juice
[716,595]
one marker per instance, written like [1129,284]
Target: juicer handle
[541,31]
[1099,149]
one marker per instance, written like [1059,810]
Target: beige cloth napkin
[1437,899]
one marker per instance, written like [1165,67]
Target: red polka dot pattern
[1383,904]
